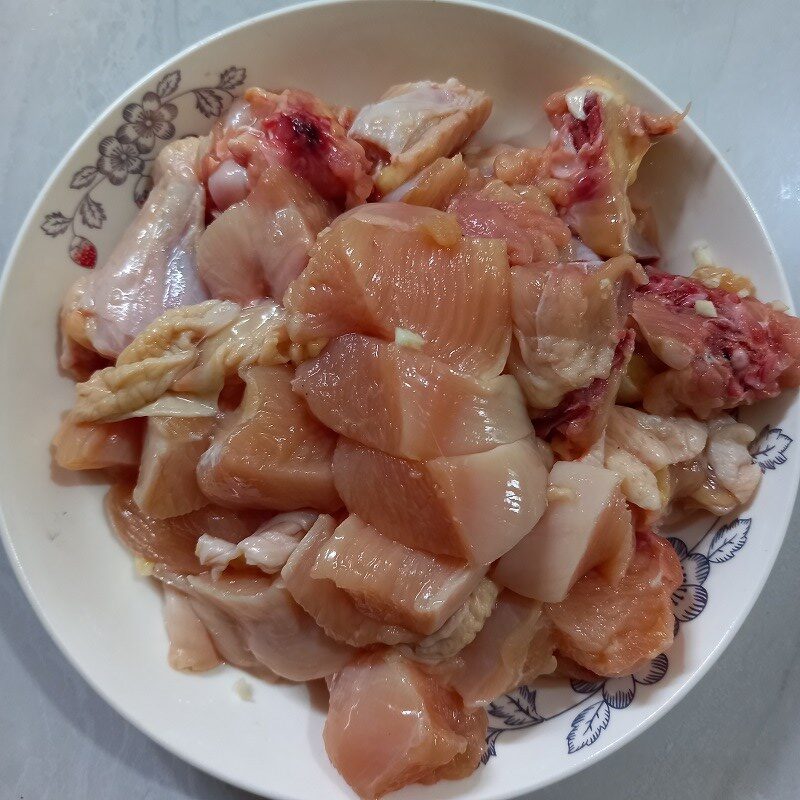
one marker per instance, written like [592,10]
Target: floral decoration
[129,152]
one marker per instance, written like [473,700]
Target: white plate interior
[81,582]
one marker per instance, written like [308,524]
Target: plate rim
[700,670]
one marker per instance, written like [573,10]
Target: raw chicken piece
[666,459]
[190,645]
[259,245]
[380,268]
[256,337]
[643,449]
[569,320]
[728,457]
[459,630]
[586,526]
[333,609]
[294,130]
[394,583]
[225,634]
[497,211]
[681,481]
[97,445]
[415,123]
[407,404]
[609,629]
[638,372]
[482,159]
[495,662]
[730,477]
[434,186]
[76,352]
[593,157]
[153,266]
[639,483]
[167,485]
[147,367]
[655,440]
[390,724]
[172,542]
[475,507]
[270,453]
[567,668]
[721,350]
[273,627]
[268,548]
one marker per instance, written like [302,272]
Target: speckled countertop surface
[737,735]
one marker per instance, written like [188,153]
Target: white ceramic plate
[81,582]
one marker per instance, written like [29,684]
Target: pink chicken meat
[153,267]
[408,404]
[260,244]
[474,507]
[415,123]
[612,629]
[394,583]
[389,266]
[425,734]
[271,452]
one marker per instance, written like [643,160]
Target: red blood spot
[585,188]
[585,131]
[299,132]
[305,144]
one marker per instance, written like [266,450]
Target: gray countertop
[737,734]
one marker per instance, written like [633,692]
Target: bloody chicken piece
[720,350]
[569,330]
[579,420]
[591,161]
[598,143]
[294,130]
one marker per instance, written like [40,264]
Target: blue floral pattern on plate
[595,701]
